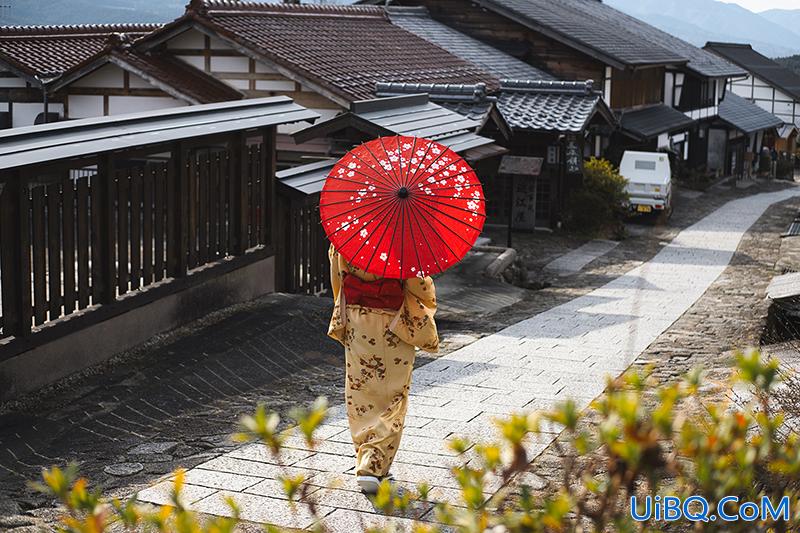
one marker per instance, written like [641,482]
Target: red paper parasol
[401,207]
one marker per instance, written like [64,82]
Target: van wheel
[664,216]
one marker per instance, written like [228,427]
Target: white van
[649,181]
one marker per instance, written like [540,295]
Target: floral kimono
[379,355]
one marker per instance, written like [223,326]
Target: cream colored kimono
[379,355]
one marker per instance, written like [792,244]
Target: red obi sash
[379,294]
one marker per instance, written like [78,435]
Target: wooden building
[748,129]
[33,58]
[220,50]
[636,66]
[115,229]
[769,85]
[558,123]
[322,56]
[300,187]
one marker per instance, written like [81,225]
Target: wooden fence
[92,232]
[303,265]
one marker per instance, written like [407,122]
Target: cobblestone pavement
[729,316]
[174,401]
[563,352]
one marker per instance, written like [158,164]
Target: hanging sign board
[552,155]
[573,156]
[512,165]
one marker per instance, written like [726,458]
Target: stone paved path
[575,260]
[564,352]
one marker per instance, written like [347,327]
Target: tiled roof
[550,106]
[701,61]
[745,115]
[470,101]
[176,77]
[344,50]
[759,65]
[49,51]
[498,63]
[412,115]
[650,122]
[589,25]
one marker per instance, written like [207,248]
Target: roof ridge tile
[76,29]
[205,6]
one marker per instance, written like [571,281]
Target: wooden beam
[92,91]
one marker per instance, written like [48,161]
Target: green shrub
[636,440]
[600,203]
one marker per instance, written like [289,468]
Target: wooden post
[238,215]
[177,216]
[15,255]
[269,217]
[105,189]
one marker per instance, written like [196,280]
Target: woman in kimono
[380,322]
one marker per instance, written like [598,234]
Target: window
[644,165]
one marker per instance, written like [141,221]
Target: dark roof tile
[650,122]
[344,49]
[470,101]
[49,51]
[613,34]
[589,24]
[179,77]
[549,106]
[418,21]
[759,65]
[745,115]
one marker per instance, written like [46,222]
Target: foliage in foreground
[599,203]
[670,445]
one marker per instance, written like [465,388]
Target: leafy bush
[632,446]
[600,203]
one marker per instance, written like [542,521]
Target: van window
[645,165]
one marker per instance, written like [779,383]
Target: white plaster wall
[274,85]
[230,64]
[84,106]
[12,82]
[25,114]
[198,62]
[190,39]
[218,44]
[108,76]
[118,105]
[137,82]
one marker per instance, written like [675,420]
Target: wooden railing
[89,233]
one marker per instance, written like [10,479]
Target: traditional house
[746,126]
[557,123]
[412,115]
[636,66]
[323,56]
[32,58]
[768,84]
[418,21]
